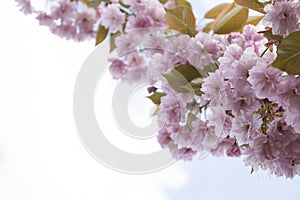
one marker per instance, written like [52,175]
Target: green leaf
[214,12]
[254,20]
[207,27]
[93,3]
[252,4]
[155,97]
[184,3]
[223,12]
[155,111]
[190,118]
[288,54]
[212,67]
[181,19]
[197,84]
[180,77]
[194,86]
[112,41]
[101,34]
[163,1]
[232,21]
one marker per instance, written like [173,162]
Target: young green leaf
[112,41]
[93,3]
[223,12]
[194,86]
[207,27]
[101,34]
[215,11]
[254,20]
[155,111]
[181,19]
[180,77]
[155,97]
[252,4]
[190,118]
[288,54]
[232,21]
[184,3]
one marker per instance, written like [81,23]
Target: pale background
[41,156]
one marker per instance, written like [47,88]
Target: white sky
[41,156]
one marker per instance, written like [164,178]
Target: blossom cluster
[66,19]
[283,16]
[251,109]
[219,93]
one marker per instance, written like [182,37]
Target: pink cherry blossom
[25,6]
[214,88]
[117,68]
[44,19]
[66,11]
[227,146]
[245,127]
[112,18]
[282,16]
[265,81]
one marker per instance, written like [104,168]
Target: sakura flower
[210,44]
[154,42]
[245,127]
[282,15]
[170,110]
[112,18]
[293,119]
[289,93]
[44,19]
[236,38]
[117,68]
[137,74]
[210,140]
[127,43]
[240,69]
[66,30]
[85,22]
[135,60]
[264,81]
[218,119]
[254,39]
[227,146]
[86,19]
[214,87]
[189,135]
[178,46]
[25,6]
[198,56]
[231,55]
[181,153]
[66,11]
[242,99]
[164,138]
[277,152]
[138,23]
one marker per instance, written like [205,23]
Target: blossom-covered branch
[223,88]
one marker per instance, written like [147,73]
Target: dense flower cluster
[283,16]
[238,105]
[66,19]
